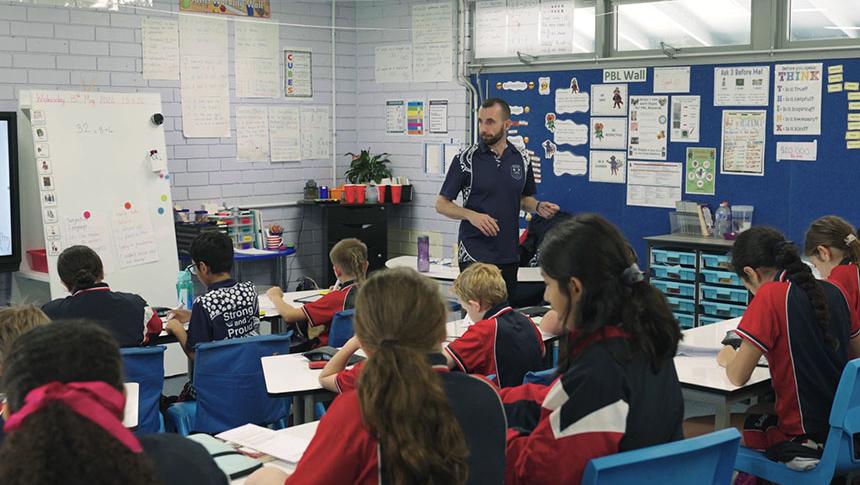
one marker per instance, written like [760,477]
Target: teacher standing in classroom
[496,181]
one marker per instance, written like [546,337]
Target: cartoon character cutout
[550,122]
[617,101]
[548,149]
[614,164]
[574,85]
[598,131]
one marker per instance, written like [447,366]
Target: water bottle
[423,254]
[185,289]
[723,220]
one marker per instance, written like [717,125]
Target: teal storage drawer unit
[675,289]
[681,305]
[724,294]
[685,320]
[706,320]
[721,277]
[677,273]
[666,256]
[716,261]
[724,310]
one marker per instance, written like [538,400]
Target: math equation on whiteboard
[95,129]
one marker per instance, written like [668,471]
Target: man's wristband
[537,206]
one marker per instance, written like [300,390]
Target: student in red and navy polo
[617,388]
[502,342]
[409,420]
[803,327]
[127,316]
[349,259]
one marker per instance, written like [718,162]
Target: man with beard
[496,181]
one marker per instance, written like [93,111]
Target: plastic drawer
[719,293]
[706,320]
[685,320]
[672,288]
[721,277]
[665,256]
[681,305]
[677,273]
[716,261]
[723,310]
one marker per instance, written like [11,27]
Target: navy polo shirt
[227,310]
[494,186]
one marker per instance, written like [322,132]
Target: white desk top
[457,328]
[703,372]
[267,308]
[289,374]
[451,271]
[132,402]
[306,431]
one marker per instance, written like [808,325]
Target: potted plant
[368,169]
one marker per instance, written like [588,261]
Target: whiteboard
[96,185]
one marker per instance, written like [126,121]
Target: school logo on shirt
[517,172]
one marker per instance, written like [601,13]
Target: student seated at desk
[502,342]
[618,389]
[127,316]
[410,420]
[804,328]
[834,249]
[228,309]
[349,259]
[64,409]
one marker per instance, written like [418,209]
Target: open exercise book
[705,347]
[277,444]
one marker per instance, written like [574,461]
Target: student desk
[451,271]
[703,380]
[289,376]
[455,329]
[306,431]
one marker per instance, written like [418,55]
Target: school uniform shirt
[228,310]
[320,313]
[506,344]
[127,316]
[344,451]
[179,461]
[495,186]
[847,277]
[804,370]
[610,399]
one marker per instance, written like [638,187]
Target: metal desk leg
[299,410]
[280,272]
[722,418]
[309,409]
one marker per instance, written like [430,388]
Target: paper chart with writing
[134,238]
[298,74]
[608,133]
[395,116]
[285,133]
[701,170]
[672,79]
[568,132]
[89,230]
[685,119]
[569,163]
[607,166]
[805,151]
[556,27]
[646,128]
[609,100]
[204,82]
[252,134]
[315,132]
[256,65]
[743,137]
[432,44]
[741,86]
[654,184]
[797,99]
[567,101]
[491,35]
[523,26]
[437,116]
[160,49]
[393,64]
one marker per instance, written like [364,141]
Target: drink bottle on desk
[185,289]
[423,254]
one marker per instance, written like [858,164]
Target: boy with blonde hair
[502,342]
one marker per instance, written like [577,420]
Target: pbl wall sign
[245,8]
[631,75]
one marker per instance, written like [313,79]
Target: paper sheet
[701,170]
[432,42]
[395,116]
[285,133]
[204,79]
[415,117]
[298,74]
[433,62]
[797,150]
[91,232]
[256,65]
[609,100]
[523,26]
[283,446]
[556,27]
[252,134]
[393,64]
[741,86]
[797,99]
[743,141]
[653,184]
[134,238]
[315,132]
[491,32]
[608,133]
[568,132]
[569,163]
[567,101]
[160,49]
[685,119]
[606,166]
[434,163]
[646,127]
[437,116]
[672,79]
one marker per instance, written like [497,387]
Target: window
[682,24]
[824,19]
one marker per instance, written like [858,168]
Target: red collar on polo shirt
[96,287]
[606,332]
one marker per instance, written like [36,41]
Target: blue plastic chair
[839,454]
[341,328]
[145,366]
[707,459]
[231,390]
[544,377]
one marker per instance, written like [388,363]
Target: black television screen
[10,228]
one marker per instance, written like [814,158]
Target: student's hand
[174,326]
[275,294]
[726,355]
[268,475]
[547,209]
[486,224]
[180,314]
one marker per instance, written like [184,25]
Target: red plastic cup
[396,191]
[381,189]
[349,193]
[361,193]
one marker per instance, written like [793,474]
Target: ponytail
[350,255]
[397,380]
[833,232]
[79,267]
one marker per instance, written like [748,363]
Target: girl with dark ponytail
[801,325]
[617,388]
[409,421]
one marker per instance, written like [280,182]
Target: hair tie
[389,342]
[632,275]
[850,239]
[94,400]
